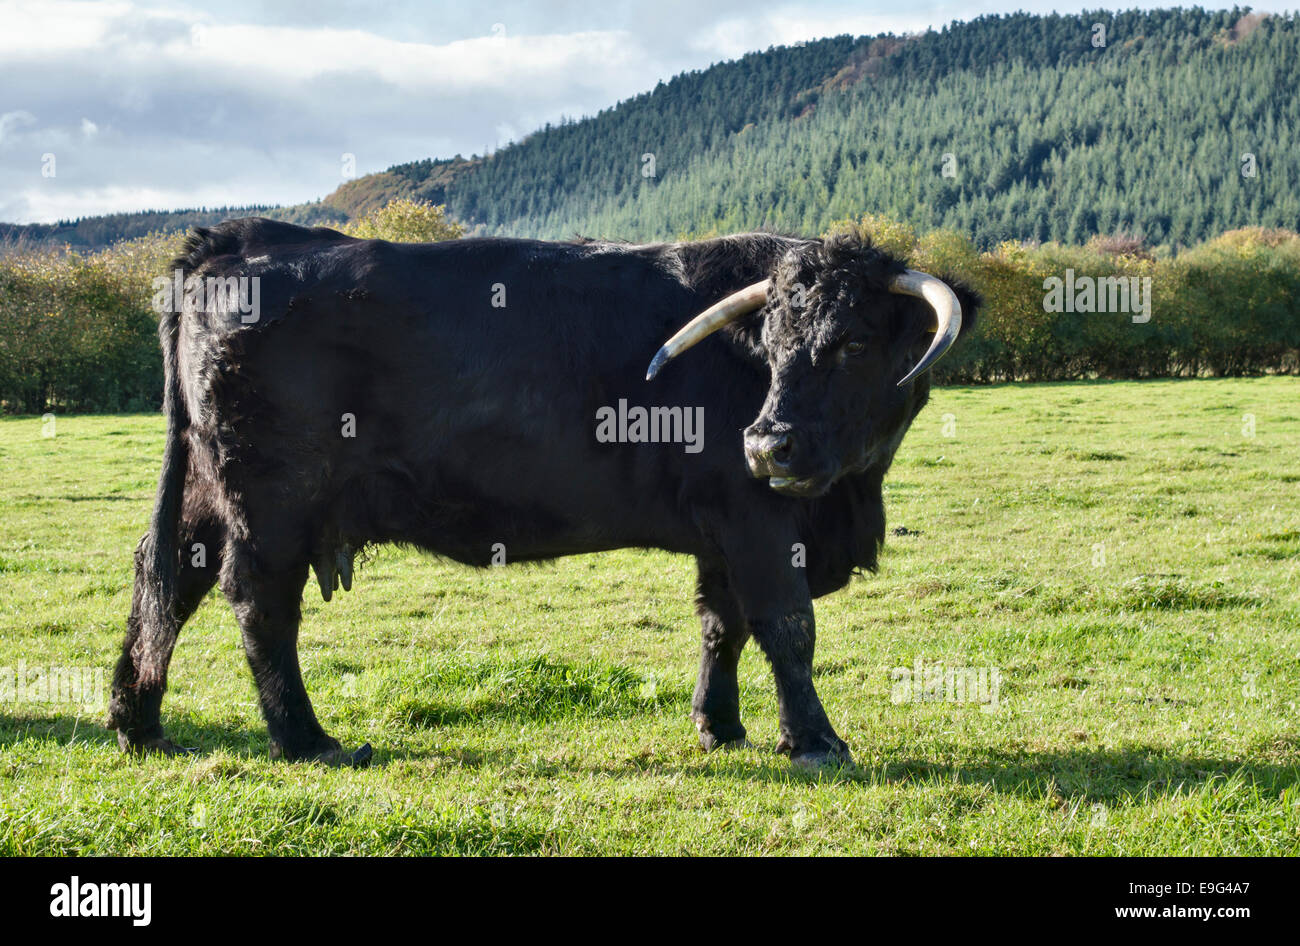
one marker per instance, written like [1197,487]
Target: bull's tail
[160,562]
[153,626]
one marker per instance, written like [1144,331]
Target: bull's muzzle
[778,456]
[768,454]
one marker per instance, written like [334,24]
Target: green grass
[1123,553]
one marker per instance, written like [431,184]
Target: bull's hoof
[357,758]
[158,745]
[828,752]
[332,755]
[715,735]
[724,739]
[711,743]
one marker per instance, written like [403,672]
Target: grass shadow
[58,729]
[1097,775]
[63,730]
[1105,776]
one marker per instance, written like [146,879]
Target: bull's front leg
[774,596]
[715,707]
[807,736]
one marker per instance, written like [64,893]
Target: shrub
[1228,307]
[77,332]
[406,221]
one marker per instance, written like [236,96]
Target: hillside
[101,231]
[1006,127]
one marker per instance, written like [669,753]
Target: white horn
[709,321]
[947,314]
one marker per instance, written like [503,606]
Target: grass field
[1125,555]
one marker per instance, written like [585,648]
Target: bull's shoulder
[244,276]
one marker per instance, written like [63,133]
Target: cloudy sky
[170,105]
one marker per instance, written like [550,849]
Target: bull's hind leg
[141,675]
[266,601]
[716,704]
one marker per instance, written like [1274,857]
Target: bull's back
[461,379]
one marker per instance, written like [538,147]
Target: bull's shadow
[250,742]
[1098,775]
[1102,776]
[89,729]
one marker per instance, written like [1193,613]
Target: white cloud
[53,202]
[487,62]
[12,121]
[36,28]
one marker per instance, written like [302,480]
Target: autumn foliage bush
[77,332]
[1230,306]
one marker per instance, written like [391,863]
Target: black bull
[451,396]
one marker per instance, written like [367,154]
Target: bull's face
[848,334]
[837,344]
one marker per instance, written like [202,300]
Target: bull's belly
[524,540]
[477,524]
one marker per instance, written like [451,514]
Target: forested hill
[1175,125]
[1050,137]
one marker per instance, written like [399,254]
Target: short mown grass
[1125,555]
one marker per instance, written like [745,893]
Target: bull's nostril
[769,454]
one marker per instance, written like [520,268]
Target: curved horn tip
[909,377]
[721,313]
[657,363]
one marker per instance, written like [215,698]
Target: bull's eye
[854,348]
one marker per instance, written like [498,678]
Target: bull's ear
[747,331]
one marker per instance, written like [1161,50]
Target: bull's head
[847,331]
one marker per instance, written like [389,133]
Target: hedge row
[77,332]
[1230,306]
